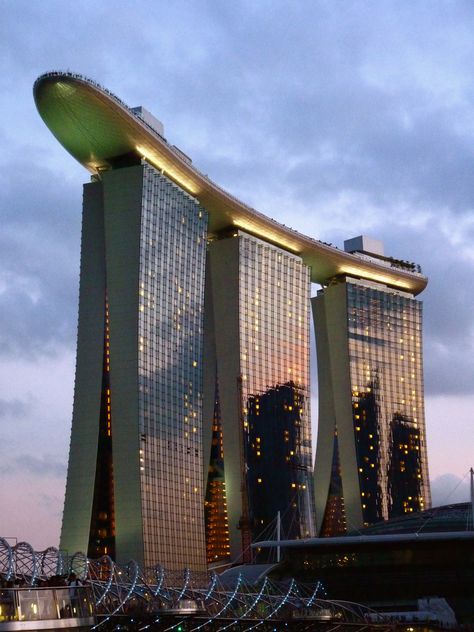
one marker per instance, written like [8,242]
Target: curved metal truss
[155,594]
[23,564]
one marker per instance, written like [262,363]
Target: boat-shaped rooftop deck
[98,129]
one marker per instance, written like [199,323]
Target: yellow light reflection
[266,234]
[154,159]
[367,273]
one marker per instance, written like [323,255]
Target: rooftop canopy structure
[99,130]
[395,562]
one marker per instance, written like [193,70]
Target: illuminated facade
[334,517]
[217,523]
[371,459]
[134,486]
[278,479]
[192,373]
[258,296]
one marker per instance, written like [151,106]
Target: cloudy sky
[335,117]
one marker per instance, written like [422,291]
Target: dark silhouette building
[277,475]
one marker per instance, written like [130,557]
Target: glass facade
[144,254]
[135,484]
[334,521]
[274,288]
[171,280]
[102,530]
[383,467]
[386,365]
[405,473]
[217,523]
[274,461]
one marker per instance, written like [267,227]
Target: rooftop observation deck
[97,128]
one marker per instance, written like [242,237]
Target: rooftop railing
[390,262]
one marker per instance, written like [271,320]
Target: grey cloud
[53,504]
[39,258]
[15,408]
[44,466]
[448,323]
[360,146]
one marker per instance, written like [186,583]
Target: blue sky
[336,118]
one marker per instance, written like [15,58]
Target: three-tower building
[191,424]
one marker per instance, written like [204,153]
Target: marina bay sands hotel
[191,421]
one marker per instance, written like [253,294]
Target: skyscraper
[371,459]
[259,294]
[134,487]
[192,376]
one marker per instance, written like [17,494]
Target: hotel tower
[191,418]
[371,459]
[258,342]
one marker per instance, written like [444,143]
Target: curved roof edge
[96,127]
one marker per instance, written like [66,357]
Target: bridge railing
[108,589]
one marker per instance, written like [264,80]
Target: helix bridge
[128,597]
